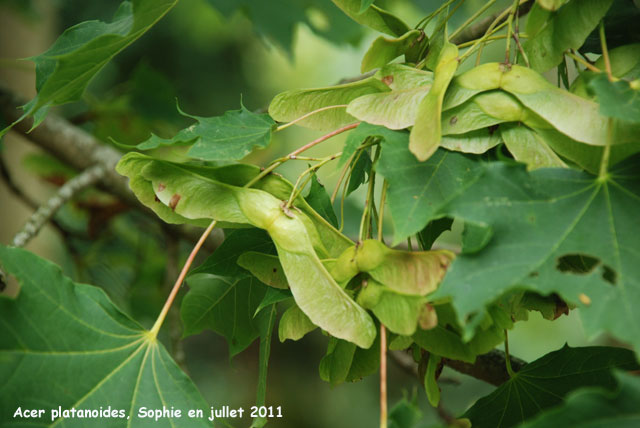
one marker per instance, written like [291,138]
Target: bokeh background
[209,56]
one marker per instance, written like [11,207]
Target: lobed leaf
[596,407]
[544,383]
[66,344]
[64,71]
[225,305]
[231,136]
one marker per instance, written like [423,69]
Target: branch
[79,149]
[489,367]
[43,214]
[476,31]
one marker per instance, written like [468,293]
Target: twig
[175,330]
[43,214]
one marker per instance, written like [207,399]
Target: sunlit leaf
[373,17]
[384,50]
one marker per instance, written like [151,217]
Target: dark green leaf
[417,189]
[66,344]
[226,306]
[224,260]
[545,382]
[432,231]
[596,408]
[231,136]
[359,171]
[273,295]
[265,267]
[64,71]
[405,414]
[266,331]
[618,99]
[320,201]
[335,365]
[567,28]
[540,218]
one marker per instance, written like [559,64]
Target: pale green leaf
[66,344]
[426,134]
[544,383]
[294,324]
[477,142]
[293,104]
[528,147]
[373,17]
[294,234]
[265,267]
[384,50]
[551,5]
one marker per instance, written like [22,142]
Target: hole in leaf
[583,264]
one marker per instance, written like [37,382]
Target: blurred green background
[211,55]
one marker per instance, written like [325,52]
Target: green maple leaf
[545,382]
[536,222]
[231,136]
[65,344]
[64,71]
[596,408]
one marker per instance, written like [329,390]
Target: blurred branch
[79,149]
[489,367]
[476,31]
[45,212]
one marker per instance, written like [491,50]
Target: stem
[343,173]
[425,21]
[383,199]
[605,52]
[183,273]
[507,357]
[383,376]
[297,188]
[583,62]
[472,18]
[439,27]
[311,113]
[514,8]
[44,213]
[493,25]
[296,152]
[365,229]
[604,163]
[479,42]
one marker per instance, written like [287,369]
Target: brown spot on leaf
[453,120]
[275,270]
[387,80]
[156,199]
[161,187]
[174,201]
